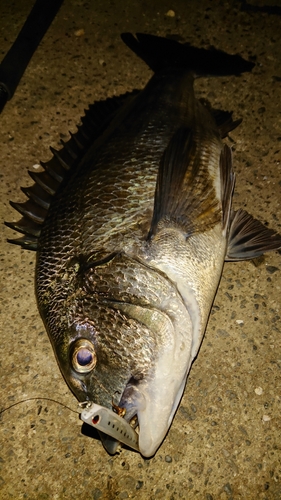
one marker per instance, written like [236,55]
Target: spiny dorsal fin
[25,226]
[27,242]
[31,210]
[56,170]
[249,238]
[38,194]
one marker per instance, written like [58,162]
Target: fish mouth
[145,424]
[152,398]
[150,408]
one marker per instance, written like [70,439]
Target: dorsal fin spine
[38,195]
[59,157]
[31,210]
[47,182]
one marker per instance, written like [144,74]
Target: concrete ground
[225,439]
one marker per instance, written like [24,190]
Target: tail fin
[162,53]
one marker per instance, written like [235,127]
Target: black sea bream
[132,222]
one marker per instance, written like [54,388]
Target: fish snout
[154,403]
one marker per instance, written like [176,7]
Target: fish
[132,221]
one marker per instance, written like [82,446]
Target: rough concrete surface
[225,439]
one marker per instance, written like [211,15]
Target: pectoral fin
[185,195]
[227,184]
[249,238]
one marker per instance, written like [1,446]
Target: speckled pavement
[225,439]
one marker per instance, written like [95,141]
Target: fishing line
[38,399]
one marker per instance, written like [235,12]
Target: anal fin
[249,238]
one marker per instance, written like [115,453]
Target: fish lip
[149,438]
[154,413]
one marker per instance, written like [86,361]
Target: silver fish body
[131,251]
[142,304]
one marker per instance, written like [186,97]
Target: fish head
[121,363]
[127,352]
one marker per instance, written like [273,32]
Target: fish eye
[83,356]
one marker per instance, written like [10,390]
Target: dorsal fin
[47,182]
